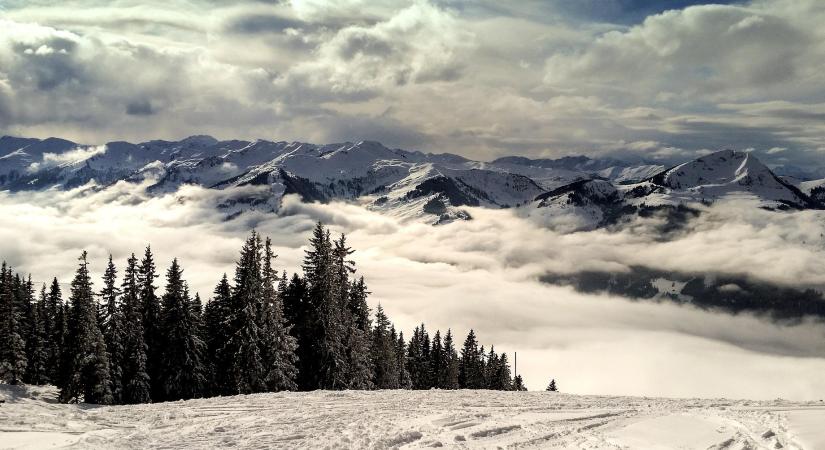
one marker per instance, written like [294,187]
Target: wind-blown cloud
[483,274]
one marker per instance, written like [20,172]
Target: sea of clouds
[484,274]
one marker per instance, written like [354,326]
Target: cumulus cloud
[481,79]
[482,274]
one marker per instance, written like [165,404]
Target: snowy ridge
[725,174]
[436,188]
[376,419]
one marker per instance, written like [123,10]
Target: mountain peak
[199,139]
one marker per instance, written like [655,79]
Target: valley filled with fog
[486,274]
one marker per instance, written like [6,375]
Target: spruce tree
[135,377]
[383,353]
[437,361]
[12,345]
[327,361]
[36,370]
[113,330]
[197,315]
[182,369]
[503,379]
[150,311]
[418,350]
[404,379]
[245,337]
[359,362]
[518,384]
[280,371]
[57,329]
[552,386]
[26,308]
[491,369]
[470,370]
[216,318]
[451,363]
[303,325]
[88,375]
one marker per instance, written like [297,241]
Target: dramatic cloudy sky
[659,79]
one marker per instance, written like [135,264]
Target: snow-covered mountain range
[408,184]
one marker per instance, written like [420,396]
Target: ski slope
[31,418]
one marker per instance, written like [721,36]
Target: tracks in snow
[409,419]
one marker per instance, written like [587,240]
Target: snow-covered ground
[30,418]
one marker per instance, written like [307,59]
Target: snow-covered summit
[407,184]
[726,173]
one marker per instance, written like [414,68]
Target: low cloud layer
[655,80]
[484,274]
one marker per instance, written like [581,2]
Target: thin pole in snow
[515,363]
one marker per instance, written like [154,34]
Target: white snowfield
[30,418]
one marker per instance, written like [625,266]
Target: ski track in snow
[31,418]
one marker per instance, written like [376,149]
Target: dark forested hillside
[134,342]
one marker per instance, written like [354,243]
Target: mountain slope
[580,191]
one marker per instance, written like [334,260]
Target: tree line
[130,343]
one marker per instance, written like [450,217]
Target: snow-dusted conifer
[150,309]
[451,362]
[246,365]
[182,369]
[37,342]
[135,378]
[383,354]
[12,345]
[216,328]
[404,380]
[327,357]
[88,376]
[56,329]
[359,362]
[470,374]
[279,349]
[113,332]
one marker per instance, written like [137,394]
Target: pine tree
[150,310]
[113,330]
[135,378]
[470,371]
[552,386]
[503,380]
[418,359]
[89,366]
[482,368]
[491,369]
[404,379]
[383,353]
[182,369]
[244,345]
[12,346]
[359,362]
[437,361]
[327,356]
[451,363]
[518,384]
[197,315]
[279,349]
[57,328]
[36,371]
[216,324]
[27,312]
[297,311]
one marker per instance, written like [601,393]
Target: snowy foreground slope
[411,419]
